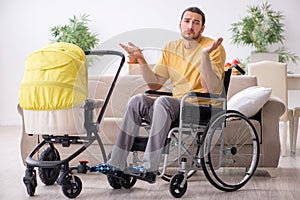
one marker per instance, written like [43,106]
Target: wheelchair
[222,143]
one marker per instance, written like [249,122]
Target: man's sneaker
[136,170]
[141,173]
[106,169]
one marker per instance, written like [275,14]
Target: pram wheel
[175,185]
[30,189]
[71,186]
[30,181]
[230,151]
[49,175]
[128,182]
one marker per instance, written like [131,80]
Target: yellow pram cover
[55,78]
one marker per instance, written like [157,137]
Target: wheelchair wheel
[167,177]
[230,151]
[128,182]
[114,182]
[175,186]
[49,175]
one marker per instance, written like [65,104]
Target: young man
[192,63]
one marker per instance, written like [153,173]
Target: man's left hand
[214,45]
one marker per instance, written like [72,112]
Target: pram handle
[104,52]
[108,52]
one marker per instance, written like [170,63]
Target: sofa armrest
[270,117]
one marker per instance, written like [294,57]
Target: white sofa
[267,121]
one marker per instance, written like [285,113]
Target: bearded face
[191,26]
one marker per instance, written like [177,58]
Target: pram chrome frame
[71,185]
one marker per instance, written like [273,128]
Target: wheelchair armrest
[204,95]
[157,93]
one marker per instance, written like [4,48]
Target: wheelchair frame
[219,176]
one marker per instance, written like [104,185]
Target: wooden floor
[285,186]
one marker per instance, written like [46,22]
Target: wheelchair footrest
[150,177]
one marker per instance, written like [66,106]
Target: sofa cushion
[239,83]
[125,88]
[250,100]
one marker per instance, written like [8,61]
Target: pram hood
[55,78]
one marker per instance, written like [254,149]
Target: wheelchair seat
[191,116]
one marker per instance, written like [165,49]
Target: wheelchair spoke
[230,157]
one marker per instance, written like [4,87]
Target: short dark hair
[195,10]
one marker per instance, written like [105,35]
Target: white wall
[25,28]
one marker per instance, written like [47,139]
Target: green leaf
[76,32]
[261,28]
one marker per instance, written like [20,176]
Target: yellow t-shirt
[182,66]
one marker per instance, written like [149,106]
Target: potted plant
[76,32]
[261,29]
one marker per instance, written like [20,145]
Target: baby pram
[54,85]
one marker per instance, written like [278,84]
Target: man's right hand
[133,50]
[153,80]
